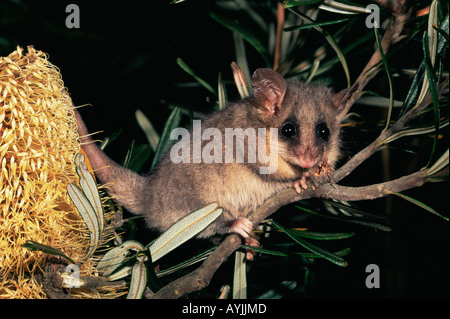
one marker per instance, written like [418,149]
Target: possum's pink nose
[306,162]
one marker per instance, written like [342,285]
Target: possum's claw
[301,182]
[244,227]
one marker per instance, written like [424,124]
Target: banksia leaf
[90,190]
[240,276]
[138,278]
[184,229]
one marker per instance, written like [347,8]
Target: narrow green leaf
[389,77]
[443,42]
[138,156]
[138,278]
[430,76]
[33,245]
[308,281]
[266,251]
[153,282]
[222,92]
[189,71]
[413,94]
[164,143]
[349,220]
[315,24]
[413,90]
[370,224]
[128,156]
[342,252]
[419,203]
[430,48]
[200,257]
[149,130]
[241,56]
[184,229]
[90,189]
[296,3]
[335,259]
[321,236]
[240,276]
[442,32]
[88,214]
[351,210]
[108,140]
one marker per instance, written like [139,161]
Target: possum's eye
[323,132]
[288,129]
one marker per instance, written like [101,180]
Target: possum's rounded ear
[340,99]
[269,89]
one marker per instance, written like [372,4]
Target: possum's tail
[124,185]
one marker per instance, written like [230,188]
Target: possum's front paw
[301,183]
[244,227]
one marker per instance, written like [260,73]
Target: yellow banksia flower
[39,141]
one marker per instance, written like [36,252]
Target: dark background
[124,57]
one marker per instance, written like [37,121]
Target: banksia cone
[39,141]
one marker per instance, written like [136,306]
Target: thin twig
[378,144]
[372,68]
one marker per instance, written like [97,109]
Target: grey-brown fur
[173,190]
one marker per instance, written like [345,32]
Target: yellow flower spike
[38,144]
